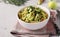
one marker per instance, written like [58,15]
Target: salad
[32,14]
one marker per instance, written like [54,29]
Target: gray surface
[8,18]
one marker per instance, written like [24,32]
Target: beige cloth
[33,36]
[20,31]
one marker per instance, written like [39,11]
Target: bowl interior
[43,8]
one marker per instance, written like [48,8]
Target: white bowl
[35,26]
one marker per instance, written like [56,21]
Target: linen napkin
[20,31]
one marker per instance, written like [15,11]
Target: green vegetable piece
[26,20]
[30,10]
[43,14]
[37,17]
[23,18]
[38,9]
[31,19]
